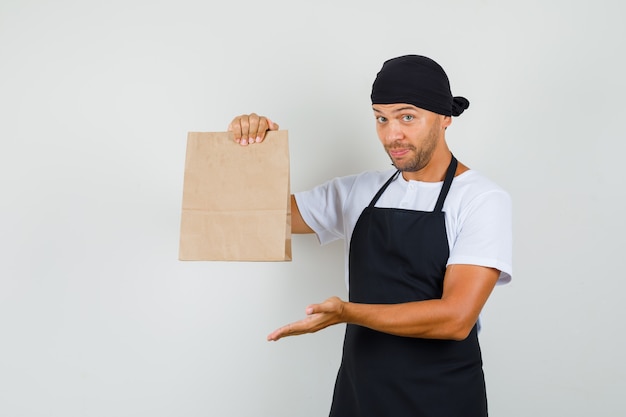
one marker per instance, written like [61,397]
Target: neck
[435,169]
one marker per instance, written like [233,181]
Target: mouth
[398,152]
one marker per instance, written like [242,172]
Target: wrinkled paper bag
[236,199]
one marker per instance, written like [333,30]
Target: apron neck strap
[447,182]
[383,188]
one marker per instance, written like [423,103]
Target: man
[425,243]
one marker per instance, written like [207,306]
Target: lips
[398,152]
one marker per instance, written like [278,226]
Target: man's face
[409,134]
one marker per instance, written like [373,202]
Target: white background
[99,318]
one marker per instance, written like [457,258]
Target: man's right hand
[250,128]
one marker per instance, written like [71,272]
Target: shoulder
[361,182]
[475,199]
[368,177]
[479,213]
[345,192]
[472,185]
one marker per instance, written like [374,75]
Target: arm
[298,225]
[466,289]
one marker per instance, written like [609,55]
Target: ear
[446,121]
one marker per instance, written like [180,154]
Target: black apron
[397,256]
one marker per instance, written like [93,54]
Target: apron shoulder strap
[447,182]
[383,188]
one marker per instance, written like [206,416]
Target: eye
[408,117]
[381,119]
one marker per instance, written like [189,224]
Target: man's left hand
[319,316]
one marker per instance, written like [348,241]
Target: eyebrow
[401,109]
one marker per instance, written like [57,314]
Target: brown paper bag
[236,199]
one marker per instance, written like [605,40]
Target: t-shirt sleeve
[321,208]
[485,235]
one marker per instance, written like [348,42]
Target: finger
[240,127]
[312,309]
[325,307]
[275,335]
[293,329]
[235,127]
[265,124]
[251,128]
[272,125]
[280,333]
[251,132]
[244,126]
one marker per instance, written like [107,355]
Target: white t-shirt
[477,213]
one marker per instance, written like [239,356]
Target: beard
[420,157]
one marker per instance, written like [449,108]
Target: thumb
[272,125]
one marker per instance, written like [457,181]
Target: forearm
[431,319]
[465,291]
